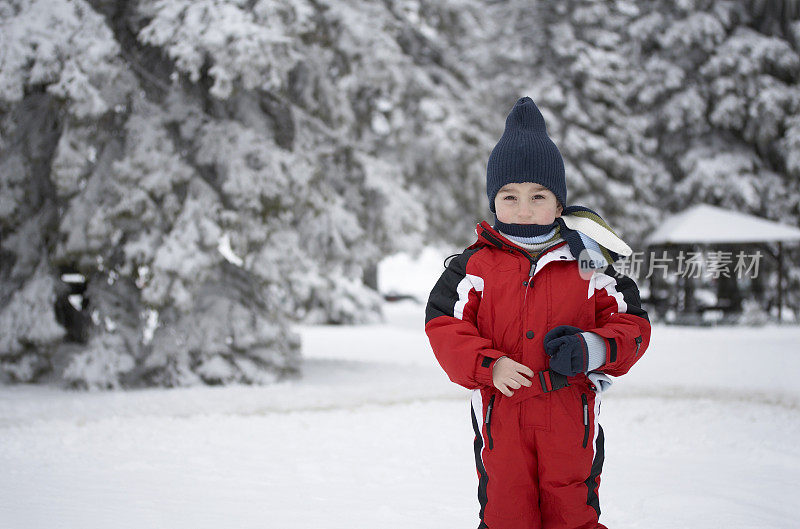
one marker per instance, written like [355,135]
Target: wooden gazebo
[707,225]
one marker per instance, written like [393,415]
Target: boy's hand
[508,374]
[567,350]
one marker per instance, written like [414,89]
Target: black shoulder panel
[443,297]
[630,292]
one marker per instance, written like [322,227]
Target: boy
[516,319]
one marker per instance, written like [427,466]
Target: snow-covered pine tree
[721,88]
[658,105]
[58,75]
[214,170]
[573,58]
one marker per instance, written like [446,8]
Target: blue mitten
[567,350]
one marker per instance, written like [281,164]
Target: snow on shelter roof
[709,224]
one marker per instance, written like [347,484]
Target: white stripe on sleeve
[477,409]
[601,281]
[596,423]
[470,282]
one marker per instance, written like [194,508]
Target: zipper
[530,259]
[530,280]
[585,402]
[488,422]
[500,244]
[534,262]
[638,344]
[503,246]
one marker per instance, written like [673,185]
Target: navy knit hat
[525,153]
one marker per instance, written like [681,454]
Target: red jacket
[495,300]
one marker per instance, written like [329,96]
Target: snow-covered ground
[701,434]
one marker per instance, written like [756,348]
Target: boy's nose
[527,209]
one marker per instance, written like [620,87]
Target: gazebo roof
[710,224]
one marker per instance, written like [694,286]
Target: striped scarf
[534,245]
[582,229]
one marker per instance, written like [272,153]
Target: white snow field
[702,433]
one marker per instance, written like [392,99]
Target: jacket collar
[488,236]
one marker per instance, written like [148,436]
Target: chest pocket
[499,316]
[569,300]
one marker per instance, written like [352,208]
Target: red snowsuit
[539,453]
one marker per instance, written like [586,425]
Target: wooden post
[780,281]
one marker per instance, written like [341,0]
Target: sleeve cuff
[596,346]
[483,374]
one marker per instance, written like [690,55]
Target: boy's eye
[509,197]
[538,196]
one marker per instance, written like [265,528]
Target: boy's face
[526,203]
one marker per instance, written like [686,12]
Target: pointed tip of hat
[526,116]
